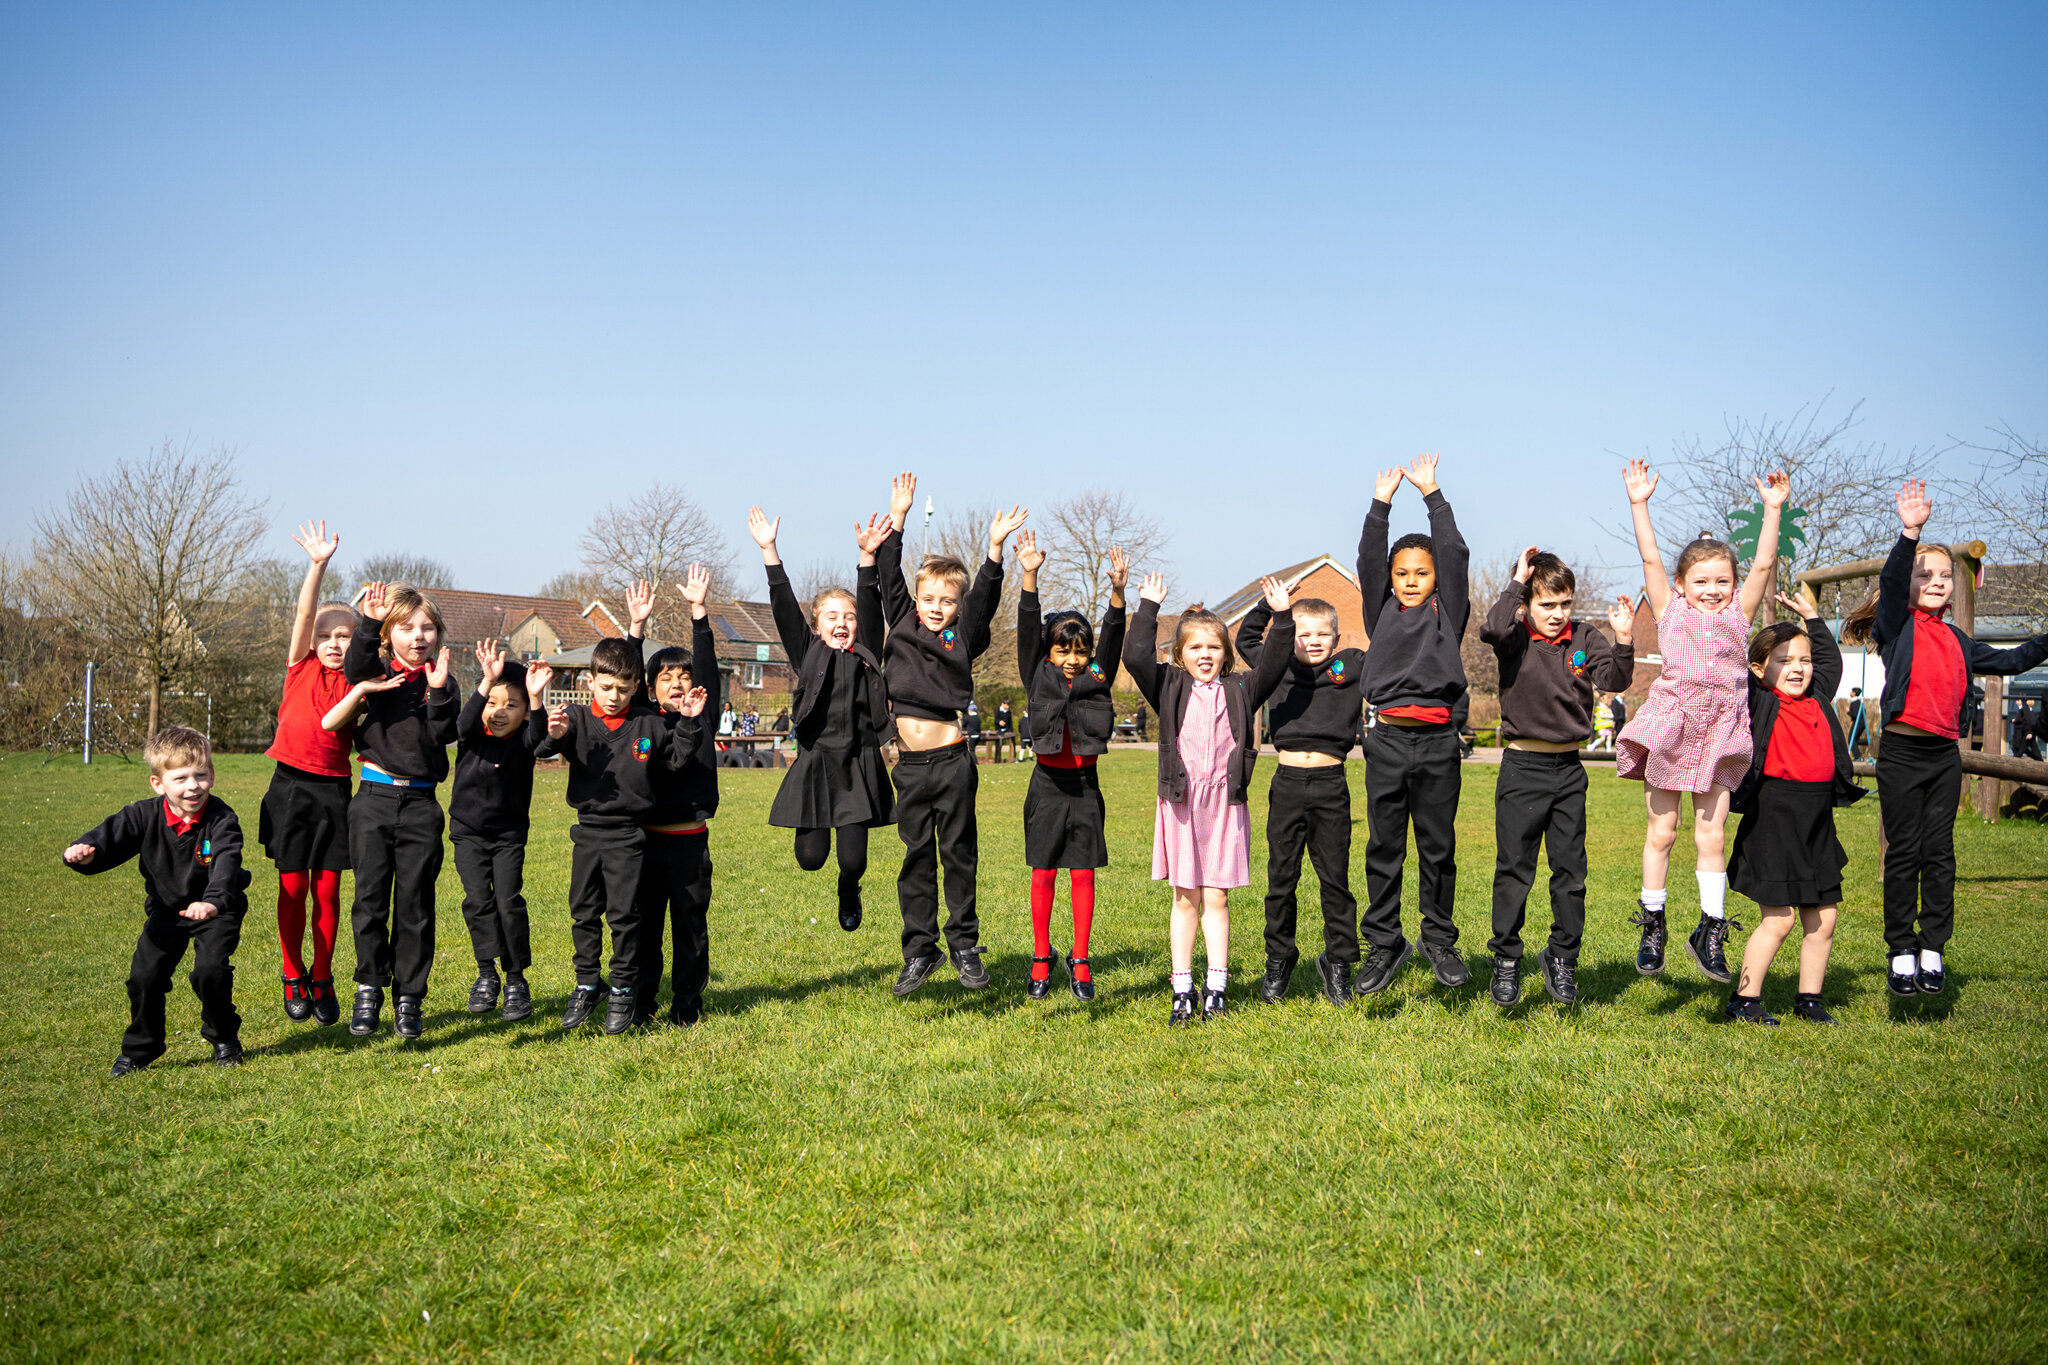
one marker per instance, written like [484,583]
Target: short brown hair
[1201,618]
[1706,547]
[401,600]
[1316,609]
[176,746]
[617,658]
[946,569]
[1770,637]
[818,603]
[1548,573]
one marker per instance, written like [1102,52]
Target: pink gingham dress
[1204,840]
[1692,733]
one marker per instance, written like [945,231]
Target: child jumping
[1415,680]
[1201,831]
[1786,855]
[1067,681]
[190,847]
[838,784]
[1927,666]
[303,821]
[1691,734]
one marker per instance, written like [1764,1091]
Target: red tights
[1081,882]
[291,920]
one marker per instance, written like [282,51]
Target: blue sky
[455,277]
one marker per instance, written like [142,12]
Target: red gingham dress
[1692,733]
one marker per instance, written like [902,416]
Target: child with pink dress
[1201,837]
[1691,734]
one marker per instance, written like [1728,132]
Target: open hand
[490,657]
[437,671]
[902,496]
[1526,565]
[1914,508]
[1119,568]
[1640,482]
[312,538]
[376,601]
[200,910]
[694,701]
[384,684]
[870,537]
[80,855]
[1276,593]
[695,587]
[639,606]
[1154,589]
[1388,483]
[761,528]
[558,722]
[1000,527]
[538,676]
[1802,604]
[1621,618]
[1029,557]
[1774,488]
[1421,472]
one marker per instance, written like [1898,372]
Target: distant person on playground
[1549,668]
[1067,673]
[303,821]
[1787,856]
[1417,602]
[1691,734]
[838,785]
[1603,723]
[1314,718]
[1928,661]
[1201,829]
[1002,728]
[189,844]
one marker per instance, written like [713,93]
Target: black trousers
[813,846]
[1411,773]
[1310,809]
[161,947]
[675,889]
[493,871]
[394,841]
[935,815]
[1541,798]
[1919,786]
[605,868]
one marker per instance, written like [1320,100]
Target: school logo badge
[1096,669]
[1337,669]
[946,637]
[1579,666]
[642,747]
[203,855]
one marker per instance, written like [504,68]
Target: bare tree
[148,561]
[813,578]
[2006,505]
[1077,532]
[656,536]
[421,571]
[963,533]
[575,585]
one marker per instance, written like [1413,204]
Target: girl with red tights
[304,821]
[1068,693]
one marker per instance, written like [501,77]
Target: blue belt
[387,780]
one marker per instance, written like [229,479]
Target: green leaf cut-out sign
[1747,524]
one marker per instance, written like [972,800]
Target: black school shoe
[685,1013]
[849,914]
[406,1019]
[1931,983]
[1809,1008]
[1450,969]
[483,996]
[1183,1010]
[915,973]
[1901,983]
[1084,991]
[1650,953]
[124,1064]
[1506,989]
[1377,972]
[582,1004]
[1279,976]
[1213,1005]
[1707,945]
[227,1054]
[298,998]
[1560,977]
[1036,989]
[362,1021]
[326,1008]
[967,961]
[623,1012]
[518,999]
[1747,1009]
[1336,978]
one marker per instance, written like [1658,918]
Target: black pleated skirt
[828,788]
[1063,818]
[303,821]
[1786,851]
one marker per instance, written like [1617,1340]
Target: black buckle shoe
[967,961]
[1336,977]
[582,1004]
[227,1054]
[1506,989]
[685,1013]
[849,914]
[1560,977]
[1931,983]
[298,999]
[124,1064]
[326,1008]
[362,1021]
[1747,1009]
[1083,990]
[1279,976]
[623,1012]
[1450,969]
[1183,1010]
[1809,1008]
[1707,946]
[1902,983]
[915,973]
[483,996]
[1379,969]
[1213,1005]
[1650,954]
[1036,989]
[518,999]
[406,1020]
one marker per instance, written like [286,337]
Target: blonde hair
[176,746]
[818,602]
[327,609]
[946,569]
[1858,624]
[1316,609]
[1201,618]
[401,600]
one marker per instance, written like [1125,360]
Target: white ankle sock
[1218,978]
[1713,894]
[1930,961]
[1182,982]
[1654,900]
[1902,964]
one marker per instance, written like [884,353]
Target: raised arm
[1827,655]
[1453,558]
[1030,624]
[364,660]
[1251,632]
[1982,658]
[313,539]
[1374,586]
[1614,670]
[1895,580]
[1773,488]
[1641,483]
[1279,650]
[896,601]
[1141,646]
[1504,617]
[1109,643]
[440,701]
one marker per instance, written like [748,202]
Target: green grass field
[821,1172]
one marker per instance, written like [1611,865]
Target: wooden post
[1991,791]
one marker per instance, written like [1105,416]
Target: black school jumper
[202,864]
[394,828]
[1920,777]
[1316,710]
[488,815]
[1412,772]
[1546,693]
[930,675]
[675,885]
[612,774]
[1063,813]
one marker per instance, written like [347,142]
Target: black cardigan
[1763,718]
[690,793]
[1166,686]
[1893,631]
[1057,705]
[810,658]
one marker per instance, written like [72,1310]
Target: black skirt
[303,822]
[829,788]
[1063,818]
[1786,851]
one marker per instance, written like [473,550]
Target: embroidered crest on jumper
[203,855]
[946,637]
[1578,663]
[1096,669]
[642,747]
[1337,669]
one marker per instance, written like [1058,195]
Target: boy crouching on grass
[190,846]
